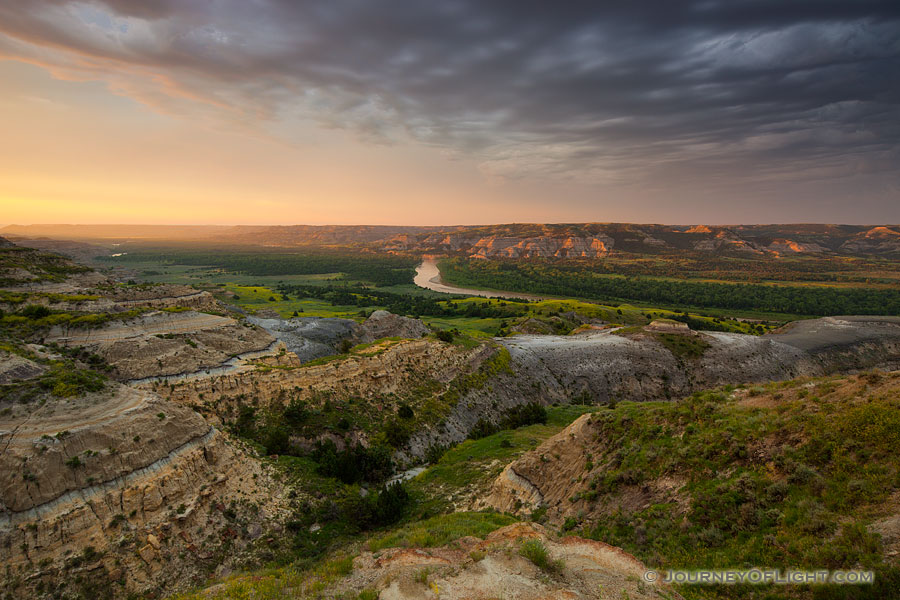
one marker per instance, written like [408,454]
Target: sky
[449,111]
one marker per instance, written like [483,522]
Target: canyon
[122,471]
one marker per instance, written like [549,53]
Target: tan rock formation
[166,343]
[121,487]
[391,368]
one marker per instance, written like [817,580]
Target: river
[428,276]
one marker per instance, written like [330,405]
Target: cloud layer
[628,93]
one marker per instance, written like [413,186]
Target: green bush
[445,335]
[65,381]
[354,463]
[535,551]
[35,311]
[397,433]
[526,414]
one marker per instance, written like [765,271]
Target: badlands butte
[155,440]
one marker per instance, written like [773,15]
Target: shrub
[445,335]
[538,514]
[434,453]
[354,463]
[483,428]
[65,381]
[390,504]
[535,551]
[35,311]
[245,424]
[376,509]
[296,412]
[397,433]
[526,414]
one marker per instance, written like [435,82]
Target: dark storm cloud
[618,91]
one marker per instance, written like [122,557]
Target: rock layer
[118,487]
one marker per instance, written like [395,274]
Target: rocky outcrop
[510,247]
[527,484]
[121,490]
[877,240]
[596,240]
[316,337]
[490,568]
[784,246]
[564,240]
[310,337]
[668,326]
[599,366]
[166,343]
[391,368]
[382,324]
[17,368]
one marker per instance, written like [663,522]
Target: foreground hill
[799,474]
[105,490]
[522,561]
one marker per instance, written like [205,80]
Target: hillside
[799,474]
[522,561]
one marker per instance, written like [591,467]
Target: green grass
[254,298]
[683,346]
[441,529]
[276,584]
[789,480]
[254,292]
[535,551]
[478,462]
[63,379]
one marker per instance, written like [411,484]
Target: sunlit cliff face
[448,112]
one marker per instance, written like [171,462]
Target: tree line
[580,282]
[405,304]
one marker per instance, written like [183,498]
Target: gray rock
[382,324]
[311,337]
[314,337]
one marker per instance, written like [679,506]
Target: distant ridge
[513,240]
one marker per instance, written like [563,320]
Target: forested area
[580,282]
[406,304]
[755,269]
[382,270]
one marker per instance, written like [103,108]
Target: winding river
[428,276]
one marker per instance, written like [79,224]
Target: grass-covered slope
[800,474]
[20,265]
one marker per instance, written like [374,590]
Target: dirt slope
[471,568]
